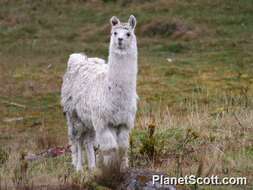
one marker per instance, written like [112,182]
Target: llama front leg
[123,143]
[79,166]
[90,155]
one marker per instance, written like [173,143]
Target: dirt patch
[169,28]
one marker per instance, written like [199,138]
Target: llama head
[122,35]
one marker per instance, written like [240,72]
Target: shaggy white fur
[100,99]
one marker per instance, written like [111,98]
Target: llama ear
[114,21]
[132,21]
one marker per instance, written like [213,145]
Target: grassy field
[195,84]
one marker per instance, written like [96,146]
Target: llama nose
[120,40]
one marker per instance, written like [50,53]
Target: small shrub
[110,177]
[148,143]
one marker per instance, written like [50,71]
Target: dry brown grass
[197,142]
[200,142]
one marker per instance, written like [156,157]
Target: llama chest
[119,116]
[119,109]
[121,99]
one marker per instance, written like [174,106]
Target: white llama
[99,99]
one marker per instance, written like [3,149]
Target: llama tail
[76,59]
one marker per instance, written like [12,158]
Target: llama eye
[115,33]
[128,34]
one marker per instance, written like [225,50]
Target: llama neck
[123,69]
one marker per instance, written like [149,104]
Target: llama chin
[100,100]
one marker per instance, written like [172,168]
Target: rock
[142,180]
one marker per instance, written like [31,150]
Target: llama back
[79,77]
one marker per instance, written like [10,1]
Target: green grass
[204,73]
